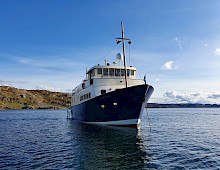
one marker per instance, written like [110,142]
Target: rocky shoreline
[14,98]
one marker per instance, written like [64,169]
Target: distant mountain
[13,98]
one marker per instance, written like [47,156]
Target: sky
[48,44]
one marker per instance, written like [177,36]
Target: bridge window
[117,72]
[111,72]
[122,72]
[105,72]
[99,71]
[93,73]
[128,72]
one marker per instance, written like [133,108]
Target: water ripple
[45,139]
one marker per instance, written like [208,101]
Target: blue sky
[176,43]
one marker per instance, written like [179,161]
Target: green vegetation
[13,98]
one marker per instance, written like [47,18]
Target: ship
[111,94]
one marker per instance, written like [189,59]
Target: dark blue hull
[120,106]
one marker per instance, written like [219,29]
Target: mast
[123,46]
[122,39]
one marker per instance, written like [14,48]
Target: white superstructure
[104,79]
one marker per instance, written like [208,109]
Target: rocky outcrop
[13,98]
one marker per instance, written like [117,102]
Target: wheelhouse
[111,72]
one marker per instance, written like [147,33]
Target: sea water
[168,139]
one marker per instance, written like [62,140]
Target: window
[128,72]
[85,96]
[117,72]
[111,72]
[122,72]
[105,71]
[93,73]
[81,98]
[132,72]
[99,71]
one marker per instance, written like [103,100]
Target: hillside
[13,98]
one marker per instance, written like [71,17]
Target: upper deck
[111,71]
[102,79]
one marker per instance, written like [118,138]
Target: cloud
[48,63]
[217,51]
[179,42]
[25,61]
[214,96]
[169,65]
[177,96]
[199,97]
[50,88]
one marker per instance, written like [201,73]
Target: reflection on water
[108,147]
